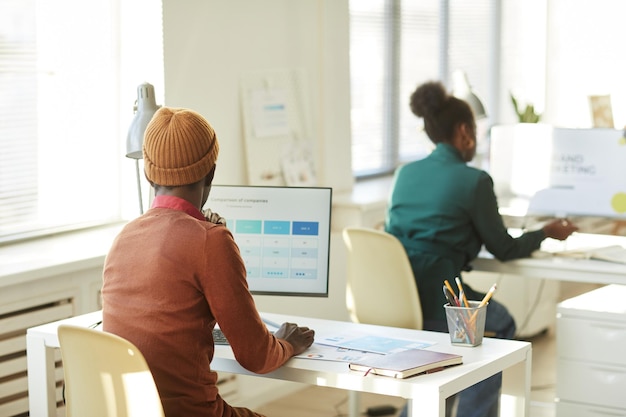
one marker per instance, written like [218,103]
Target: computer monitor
[283,234]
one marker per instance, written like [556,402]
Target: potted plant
[528,114]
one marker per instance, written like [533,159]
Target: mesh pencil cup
[466,325]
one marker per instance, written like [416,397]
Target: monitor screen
[283,234]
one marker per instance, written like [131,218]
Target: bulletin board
[277,128]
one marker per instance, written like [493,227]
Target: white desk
[561,268]
[556,268]
[430,391]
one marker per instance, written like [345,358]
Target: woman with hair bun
[443,211]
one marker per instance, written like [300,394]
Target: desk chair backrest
[380,288]
[105,376]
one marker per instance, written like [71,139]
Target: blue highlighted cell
[276,227]
[306,228]
[249,226]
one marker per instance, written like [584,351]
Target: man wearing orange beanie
[171,274]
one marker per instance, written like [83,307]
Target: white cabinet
[591,365]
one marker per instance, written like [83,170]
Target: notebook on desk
[406,363]
[613,253]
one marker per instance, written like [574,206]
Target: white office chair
[380,288]
[105,376]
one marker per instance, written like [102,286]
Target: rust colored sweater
[168,278]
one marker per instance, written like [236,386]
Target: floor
[328,402]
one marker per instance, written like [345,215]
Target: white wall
[209,43]
[585,57]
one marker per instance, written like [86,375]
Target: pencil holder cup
[466,325]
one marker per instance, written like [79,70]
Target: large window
[68,76]
[550,54]
[396,45]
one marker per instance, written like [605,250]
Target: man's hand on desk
[559,229]
[299,337]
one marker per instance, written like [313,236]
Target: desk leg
[516,382]
[354,402]
[434,406]
[41,378]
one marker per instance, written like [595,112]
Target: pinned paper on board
[277,128]
[298,164]
[269,113]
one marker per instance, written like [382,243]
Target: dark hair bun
[428,99]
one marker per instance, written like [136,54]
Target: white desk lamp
[144,109]
[461,89]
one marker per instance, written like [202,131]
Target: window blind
[18,114]
[396,45]
[419,23]
[369,95]
[66,100]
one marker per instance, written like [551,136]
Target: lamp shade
[462,90]
[145,108]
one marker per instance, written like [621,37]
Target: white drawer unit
[591,364]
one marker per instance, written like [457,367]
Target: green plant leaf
[528,115]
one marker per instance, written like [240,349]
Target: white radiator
[15,318]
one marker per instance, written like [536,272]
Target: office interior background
[75,69]
[69,72]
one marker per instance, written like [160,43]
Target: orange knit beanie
[179,147]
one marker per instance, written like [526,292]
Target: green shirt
[443,211]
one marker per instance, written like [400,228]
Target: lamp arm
[139,186]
